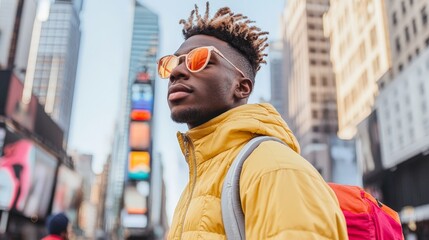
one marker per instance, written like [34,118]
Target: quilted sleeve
[288,199]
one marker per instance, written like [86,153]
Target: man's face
[195,98]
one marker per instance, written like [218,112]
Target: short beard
[189,115]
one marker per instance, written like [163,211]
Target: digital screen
[27,175]
[139,137]
[134,201]
[140,115]
[142,96]
[139,165]
[134,220]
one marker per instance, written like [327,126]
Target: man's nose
[179,72]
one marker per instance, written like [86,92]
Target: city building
[31,155]
[16,27]
[312,108]
[129,206]
[408,33]
[403,107]
[52,65]
[360,55]
[279,92]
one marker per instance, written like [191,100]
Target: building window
[325,113]
[312,50]
[404,9]
[400,67]
[373,36]
[315,128]
[327,129]
[398,45]
[407,34]
[427,42]
[411,2]
[394,19]
[410,58]
[414,26]
[313,97]
[313,80]
[417,51]
[314,114]
[324,81]
[313,62]
[424,15]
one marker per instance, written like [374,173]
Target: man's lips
[178,91]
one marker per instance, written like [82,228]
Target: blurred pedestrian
[210,78]
[57,226]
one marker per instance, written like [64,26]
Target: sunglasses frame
[177,58]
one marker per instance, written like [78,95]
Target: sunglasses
[196,60]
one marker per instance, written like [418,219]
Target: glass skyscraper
[56,63]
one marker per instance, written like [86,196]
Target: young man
[57,226]
[210,78]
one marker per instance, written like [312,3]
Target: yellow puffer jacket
[282,195]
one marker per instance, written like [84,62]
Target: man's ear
[243,88]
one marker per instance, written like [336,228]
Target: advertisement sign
[67,190]
[139,137]
[134,201]
[142,96]
[25,114]
[140,115]
[133,220]
[139,165]
[143,77]
[26,178]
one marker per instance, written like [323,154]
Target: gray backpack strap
[232,212]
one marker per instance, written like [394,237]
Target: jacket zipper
[192,169]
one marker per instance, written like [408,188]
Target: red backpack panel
[365,216]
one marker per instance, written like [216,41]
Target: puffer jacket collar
[235,128]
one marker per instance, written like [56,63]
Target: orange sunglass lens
[197,59]
[166,65]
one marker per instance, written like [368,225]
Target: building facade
[53,71]
[128,212]
[403,107]
[408,23]
[360,55]
[16,26]
[279,92]
[395,144]
[310,81]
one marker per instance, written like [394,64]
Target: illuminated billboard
[27,174]
[134,201]
[140,115]
[139,137]
[139,165]
[142,96]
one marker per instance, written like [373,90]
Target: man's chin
[185,116]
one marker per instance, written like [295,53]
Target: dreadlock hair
[232,28]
